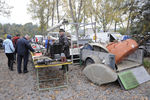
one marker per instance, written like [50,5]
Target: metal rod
[95,32]
[58,87]
[49,79]
[37,76]
[83,23]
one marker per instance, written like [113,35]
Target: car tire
[89,61]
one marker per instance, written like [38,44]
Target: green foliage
[141,22]
[122,31]
[38,11]
[146,63]
[14,29]
[5,9]
[44,11]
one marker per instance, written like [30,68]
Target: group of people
[64,42]
[20,46]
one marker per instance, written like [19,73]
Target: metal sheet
[128,80]
[141,74]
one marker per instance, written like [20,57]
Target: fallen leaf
[53,97]
[56,92]
[92,84]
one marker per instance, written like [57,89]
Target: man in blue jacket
[22,48]
[48,43]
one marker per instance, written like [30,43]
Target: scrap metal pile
[118,61]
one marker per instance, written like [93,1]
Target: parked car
[97,53]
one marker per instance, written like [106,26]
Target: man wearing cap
[22,48]
[64,42]
[9,51]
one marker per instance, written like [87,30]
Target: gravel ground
[14,86]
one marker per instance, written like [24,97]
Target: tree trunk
[79,13]
[115,26]
[57,4]
[104,25]
[48,14]
[129,18]
[71,11]
[42,23]
[53,12]
[128,23]
[74,18]
[84,19]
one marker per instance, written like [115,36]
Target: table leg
[37,78]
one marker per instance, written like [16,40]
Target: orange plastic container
[38,54]
[122,49]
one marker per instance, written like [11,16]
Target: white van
[106,37]
[39,37]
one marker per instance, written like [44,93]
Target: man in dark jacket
[64,42]
[22,48]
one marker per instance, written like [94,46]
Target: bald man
[22,49]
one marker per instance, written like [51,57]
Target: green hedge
[146,63]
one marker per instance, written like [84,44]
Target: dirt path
[14,86]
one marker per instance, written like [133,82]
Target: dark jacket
[23,46]
[63,40]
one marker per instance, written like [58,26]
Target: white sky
[19,13]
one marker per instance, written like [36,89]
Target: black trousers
[10,57]
[19,62]
[14,56]
[65,67]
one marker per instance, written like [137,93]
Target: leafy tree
[141,22]
[38,10]
[13,29]
[5,8]
[44,11]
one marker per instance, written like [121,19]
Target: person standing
[14,40]
[9,51]
[64,42]
[48,43]
[22,49]
[36,40]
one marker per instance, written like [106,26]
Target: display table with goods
[50,80]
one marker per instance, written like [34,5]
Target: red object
[14,40]
[36,39]
[33,46]
[63,59]
[122,49]
[38,54]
